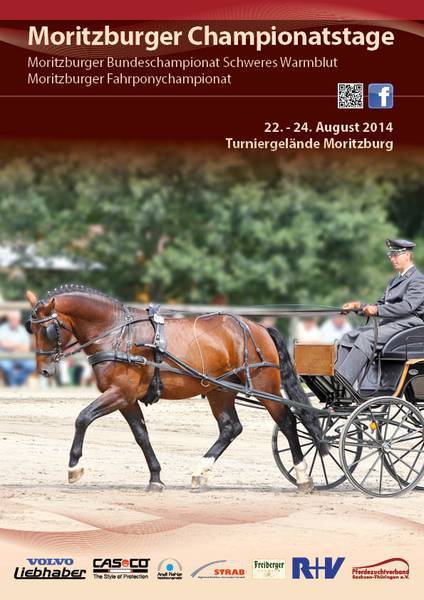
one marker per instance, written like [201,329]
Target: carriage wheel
[392,442]
[411,435]
[326,471]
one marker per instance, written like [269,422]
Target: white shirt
[18,336]
[406,270]
[306,334]
[329,333]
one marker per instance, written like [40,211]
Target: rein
[59,352]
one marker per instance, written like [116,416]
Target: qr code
[350,95]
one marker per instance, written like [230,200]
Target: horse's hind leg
[105,404]
[222,405]
[286,421]
[134,417]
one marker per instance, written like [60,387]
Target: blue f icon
[380,95]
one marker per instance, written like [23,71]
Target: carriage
[375,433]
[371,436]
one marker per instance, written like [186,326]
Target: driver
[400,307]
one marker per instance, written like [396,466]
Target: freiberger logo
[392,568]
[49,568]
[269,568]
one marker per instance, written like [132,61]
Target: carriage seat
[405,345]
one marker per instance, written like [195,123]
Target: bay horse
[213,344]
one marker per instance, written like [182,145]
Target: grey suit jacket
[404,296]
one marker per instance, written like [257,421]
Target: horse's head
[52,333]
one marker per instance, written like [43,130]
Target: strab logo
[219,569]
[49,568]
[316,569]
[271,568]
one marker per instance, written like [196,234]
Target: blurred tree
[173,225]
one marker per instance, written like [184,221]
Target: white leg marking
[78,466]
[75,473]
[204,467]
[301,472]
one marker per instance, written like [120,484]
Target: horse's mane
[69,288]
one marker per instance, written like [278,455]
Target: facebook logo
[303,567]
[380,95]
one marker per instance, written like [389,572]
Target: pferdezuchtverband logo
[219,569]
[391,568]
[170,569]
[121,568]
[49,568]
[269,568]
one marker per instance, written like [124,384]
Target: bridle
[52,334]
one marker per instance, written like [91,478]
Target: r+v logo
[303,567]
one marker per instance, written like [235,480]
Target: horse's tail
[294,390]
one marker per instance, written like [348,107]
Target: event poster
[251,167]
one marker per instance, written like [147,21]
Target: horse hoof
[305,488]
[198,483]
[75,473]
[155,487]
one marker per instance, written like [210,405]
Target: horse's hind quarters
[75,473]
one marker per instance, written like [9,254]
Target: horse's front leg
[134,417]
[108,402]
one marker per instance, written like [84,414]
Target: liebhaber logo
[49,568]
[270,568]
[302,567]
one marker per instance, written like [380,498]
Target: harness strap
[120,356]
[217,381]
[157,321]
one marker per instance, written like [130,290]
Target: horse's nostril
[45,373]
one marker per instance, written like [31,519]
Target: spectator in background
[333,329]
[15,339]
[307,331]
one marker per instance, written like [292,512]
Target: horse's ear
[31,297]
[49,307]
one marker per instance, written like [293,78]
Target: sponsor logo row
[170,569]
